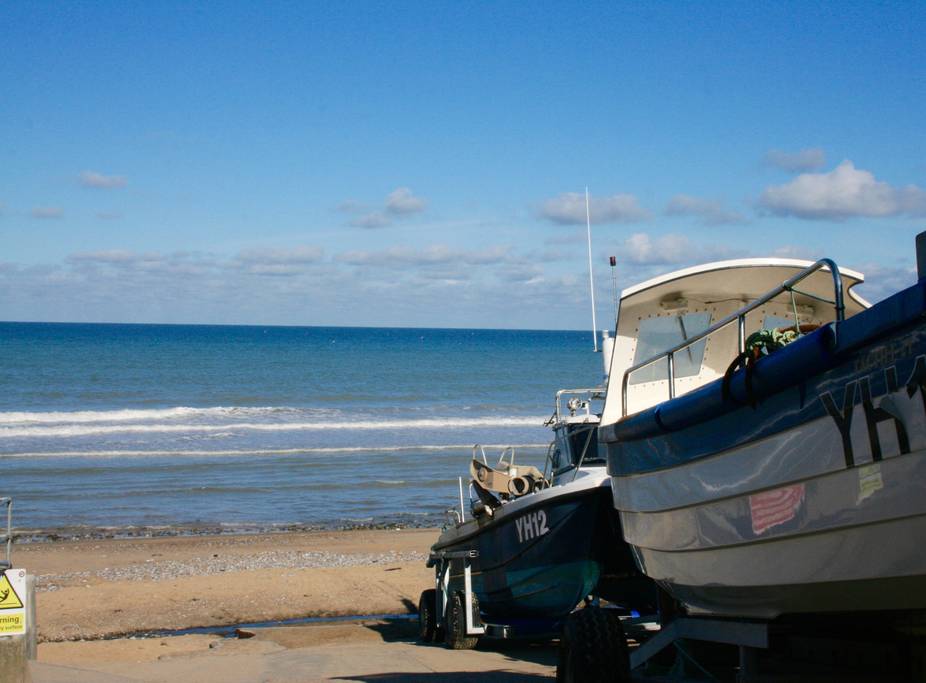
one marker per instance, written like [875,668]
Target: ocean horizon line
[293,327]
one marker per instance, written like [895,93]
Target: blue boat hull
[803,493]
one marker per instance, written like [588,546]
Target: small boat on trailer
[535,543]
[765,431]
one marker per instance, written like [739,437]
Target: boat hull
[541,559]
[810,500]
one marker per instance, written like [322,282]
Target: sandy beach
[93,589]
[104,605]
[99,601]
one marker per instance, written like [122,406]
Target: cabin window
[585,440]
[570,445]
[662,333]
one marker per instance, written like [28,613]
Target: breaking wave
[268,452]
[74,430]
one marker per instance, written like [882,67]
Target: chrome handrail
[740,318]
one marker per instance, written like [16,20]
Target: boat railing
[739,317]
[7,537]
[480,451]
[578,400]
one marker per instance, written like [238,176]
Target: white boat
[794,484]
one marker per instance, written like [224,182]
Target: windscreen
[661,333]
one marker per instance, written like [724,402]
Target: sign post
[14,603]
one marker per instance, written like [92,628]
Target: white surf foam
[76,430]
[490,448]
[142,415]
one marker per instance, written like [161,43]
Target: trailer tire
[593,648]
[455,626]
[427,616]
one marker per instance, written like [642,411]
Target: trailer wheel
[593,648]
[427,615]
[455,627]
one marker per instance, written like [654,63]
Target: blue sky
[416,164]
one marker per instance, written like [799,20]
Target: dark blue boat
[536,544]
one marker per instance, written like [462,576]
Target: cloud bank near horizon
[300,284]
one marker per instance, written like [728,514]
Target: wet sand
[362,651]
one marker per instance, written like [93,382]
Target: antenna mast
[613,262]
[591,279]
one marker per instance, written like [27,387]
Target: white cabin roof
[744,279]
[660,313]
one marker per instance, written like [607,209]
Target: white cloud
[437,254]
[569,209]
[798,252]
[132,264]
[104,256]
[402,201]
[258,261]
[47,212]
[527,273]
[299,254]
[810,159]
[708,211]
[278,261]
[845,192]
[641,249]
[101,181]
[370,220]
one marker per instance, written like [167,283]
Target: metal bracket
[471,628]
[750,634]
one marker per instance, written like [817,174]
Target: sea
[124,430]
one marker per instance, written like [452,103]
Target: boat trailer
[602,644]
[450,610]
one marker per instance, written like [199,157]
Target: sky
[424,164]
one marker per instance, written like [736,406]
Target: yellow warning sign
[12,623]
[8,597]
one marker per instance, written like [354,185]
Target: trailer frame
[449,563]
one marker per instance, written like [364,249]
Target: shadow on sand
[451,677]
[538,653]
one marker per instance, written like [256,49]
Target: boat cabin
[575,432]
[662,314]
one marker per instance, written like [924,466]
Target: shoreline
[94,589]
[23,537]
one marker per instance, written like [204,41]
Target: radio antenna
[591,278]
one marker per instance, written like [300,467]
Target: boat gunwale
[502,515]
